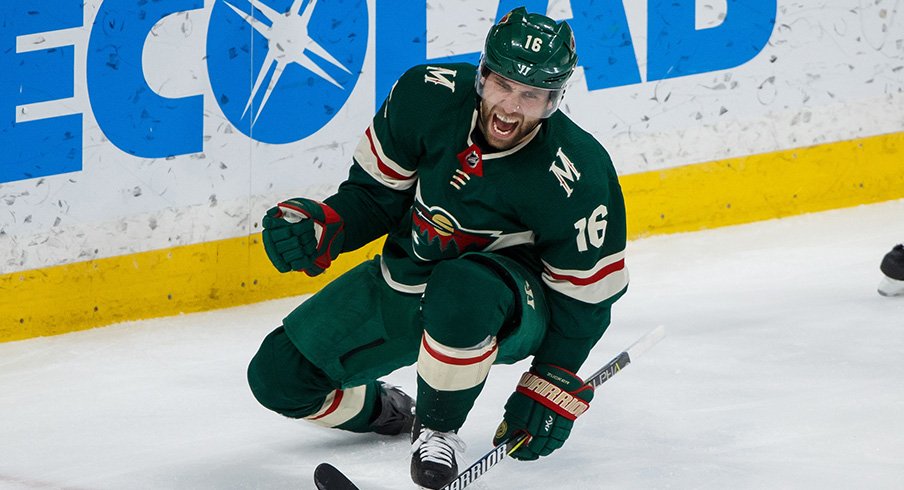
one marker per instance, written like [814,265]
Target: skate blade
[889,287]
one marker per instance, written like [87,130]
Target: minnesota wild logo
[437,234]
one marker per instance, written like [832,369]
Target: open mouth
[504,126]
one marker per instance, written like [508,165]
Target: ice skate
[396,411]
[433,462]
[892,267]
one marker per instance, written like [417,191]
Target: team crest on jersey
[471,160]
[437,234]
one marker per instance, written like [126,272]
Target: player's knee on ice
[465,302]
[282,380]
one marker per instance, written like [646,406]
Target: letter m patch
[440,76]
[567,173]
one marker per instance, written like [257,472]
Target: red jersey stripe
[337,400]
[456,360]
[585,281]
[382,166]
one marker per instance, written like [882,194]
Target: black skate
[433,463]
[396,412]
[893,268]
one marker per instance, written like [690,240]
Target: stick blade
[328,477]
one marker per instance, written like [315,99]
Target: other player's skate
[396,411]
[433,462]
[892,267]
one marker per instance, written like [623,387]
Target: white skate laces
[437,447]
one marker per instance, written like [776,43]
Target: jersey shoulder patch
[433,88]
[576,160]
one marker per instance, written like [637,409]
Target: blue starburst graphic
[281,70]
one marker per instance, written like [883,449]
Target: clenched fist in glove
[545,404]
[302,235]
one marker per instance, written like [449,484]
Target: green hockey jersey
[553,202]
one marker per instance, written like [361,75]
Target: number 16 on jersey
[592,229]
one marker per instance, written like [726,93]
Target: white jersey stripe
[339,407]
[601,282]
[370,156]
[447,368]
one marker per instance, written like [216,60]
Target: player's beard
[503,130]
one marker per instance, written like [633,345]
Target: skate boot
[396,411]
[892,268]
[433,463]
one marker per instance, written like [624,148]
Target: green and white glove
[545,404]
[302,235]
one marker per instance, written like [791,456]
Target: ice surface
[782,368]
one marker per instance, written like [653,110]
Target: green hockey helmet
[531,49]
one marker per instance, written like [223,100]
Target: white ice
[782,368]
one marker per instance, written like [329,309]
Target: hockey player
[505,229]
[892,267]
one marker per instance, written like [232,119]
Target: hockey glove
[302,235]
[545,404]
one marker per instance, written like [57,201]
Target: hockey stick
[328,477]
[506,448]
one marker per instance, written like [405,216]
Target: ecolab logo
[281,69]
[310,62]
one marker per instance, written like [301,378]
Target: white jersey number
[592,229]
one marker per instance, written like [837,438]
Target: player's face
[509,111]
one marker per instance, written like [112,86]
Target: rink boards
[134,179]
